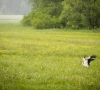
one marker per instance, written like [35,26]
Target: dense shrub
[40,20]
[26,21]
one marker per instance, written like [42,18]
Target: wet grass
[48,59]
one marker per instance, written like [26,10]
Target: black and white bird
[86,61]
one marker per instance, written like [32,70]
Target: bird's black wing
[91,58]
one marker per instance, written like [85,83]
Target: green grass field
[48,59]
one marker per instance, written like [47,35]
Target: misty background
[14,7]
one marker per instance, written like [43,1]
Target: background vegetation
[74,14]
[48,59]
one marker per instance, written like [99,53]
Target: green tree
[65,13]
[91,11]
[46,13]
[81,13]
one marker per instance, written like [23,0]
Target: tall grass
[48,59]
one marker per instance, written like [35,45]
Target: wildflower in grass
[91,83]
[74,64]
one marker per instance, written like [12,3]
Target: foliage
[26,21]
[81,13]
[68,13]
[46,15]
[43,20]
[91,10]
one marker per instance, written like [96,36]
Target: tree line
[75,14]
[14,7]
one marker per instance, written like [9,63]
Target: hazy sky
[14,7]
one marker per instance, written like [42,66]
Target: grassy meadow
[48,59]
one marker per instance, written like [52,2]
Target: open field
[48,59]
